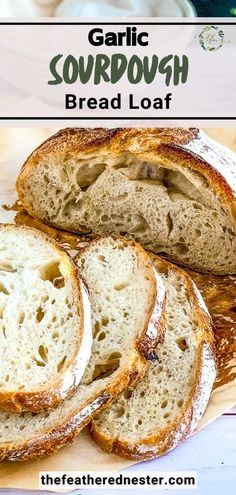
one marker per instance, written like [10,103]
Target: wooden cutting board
[219,294]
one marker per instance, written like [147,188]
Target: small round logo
[211,38]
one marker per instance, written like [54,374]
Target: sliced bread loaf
[45,321]
[126,299]
[166,406]
[172,190]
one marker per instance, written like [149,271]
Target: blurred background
[215,8]
[118,8]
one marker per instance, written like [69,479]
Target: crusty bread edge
[50,395]
[159,444]
[190,144]
[65,431]
[134,368]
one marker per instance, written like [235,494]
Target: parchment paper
[219,294]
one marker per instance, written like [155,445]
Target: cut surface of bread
[172,190]
[166,406]
[45,321]
[127,297]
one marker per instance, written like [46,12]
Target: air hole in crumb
[102,258]
[181,248]
[127,394]
[180,403]
[55,335]
[96,329]
[104,218]
[43,352]
[82,263]
[169,223]
[101,336]
[115,355]
[182,344]
[166,415]
[164,404]
[120,412]
[2,312]
[231,232]
[197,206]
[105,370]
[140,422]
[142,394]
[198,232]
[39,314]
[122,246]
[21,317]
[51,272]
[61,364]
[39,363]
[58,283]
[105,321]
[121,286]
[6,267]
[3,289]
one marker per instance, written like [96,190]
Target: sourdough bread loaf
[127,298]
[166,406]
[45,321]
[172,190]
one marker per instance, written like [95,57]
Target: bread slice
[126,298]
[166,406]
[172,190]
[45,321]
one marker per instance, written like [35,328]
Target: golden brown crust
[164,441]
[191,147]
[66,430]
[52,393]
[133,370]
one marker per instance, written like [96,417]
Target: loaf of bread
[166,406]
[172,190]
[127,298]
[45,321]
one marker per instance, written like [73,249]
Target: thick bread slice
[45,321]
[172,190]
[166,406]
[126,298]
